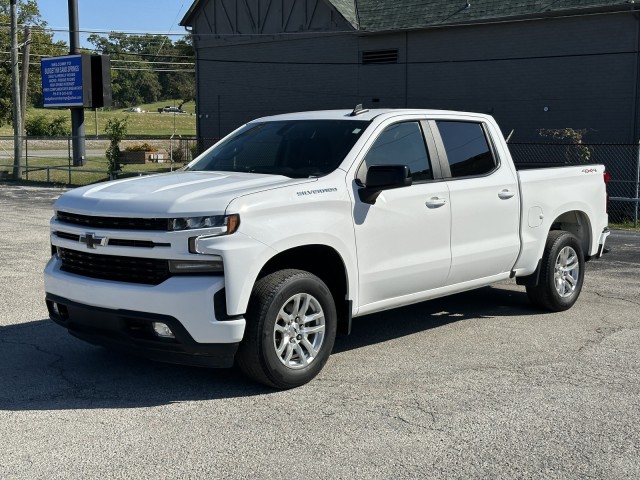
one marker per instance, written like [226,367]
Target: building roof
[377,15]
[382,15]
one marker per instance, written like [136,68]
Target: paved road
[477,385]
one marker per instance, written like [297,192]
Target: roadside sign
[66,81]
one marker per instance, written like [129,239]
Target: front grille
[135,243]
[67,236]
[114,223]
[149,271]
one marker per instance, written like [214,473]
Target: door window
[400,144]
[467,148]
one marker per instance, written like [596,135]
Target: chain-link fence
[622,162]
[50,160]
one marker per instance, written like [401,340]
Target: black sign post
[77,113]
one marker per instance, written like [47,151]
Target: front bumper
[118,315]
[188,299]
[132,332]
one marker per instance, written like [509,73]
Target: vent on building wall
[389,55]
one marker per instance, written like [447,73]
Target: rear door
[484,195]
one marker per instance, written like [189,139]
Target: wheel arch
[324,262]
[576,222]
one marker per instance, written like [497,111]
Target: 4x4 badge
[92,241]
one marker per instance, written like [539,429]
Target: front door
[403,239]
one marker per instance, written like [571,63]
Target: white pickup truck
[268,243]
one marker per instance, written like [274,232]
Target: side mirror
[384,177]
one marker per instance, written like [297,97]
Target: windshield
[293,148]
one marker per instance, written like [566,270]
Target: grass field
[57,172]
[150,123]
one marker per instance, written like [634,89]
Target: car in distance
[168,109]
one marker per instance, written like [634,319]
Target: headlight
[219,224]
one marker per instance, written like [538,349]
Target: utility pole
[24,81]
[15,79]
[77,113]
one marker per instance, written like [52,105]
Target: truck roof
[366,115]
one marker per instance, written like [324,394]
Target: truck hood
[178,193]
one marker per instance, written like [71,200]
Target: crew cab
[270,242]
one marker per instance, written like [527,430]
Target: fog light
[59,311]
[162,330]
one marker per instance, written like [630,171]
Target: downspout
[636,134]
[197,79]
[406,69]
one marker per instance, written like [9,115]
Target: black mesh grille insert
[114,223]
[149,271]
[67,236]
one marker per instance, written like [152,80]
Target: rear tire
[291,328]
[561,273]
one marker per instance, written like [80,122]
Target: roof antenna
[510,135]
[358,110]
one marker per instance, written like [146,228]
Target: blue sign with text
[62,81]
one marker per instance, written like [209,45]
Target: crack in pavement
[611,297]
[58,358]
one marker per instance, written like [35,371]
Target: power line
[180,70]
[147,62]
[100,31]
[420,62]
[143,62]
[132,54]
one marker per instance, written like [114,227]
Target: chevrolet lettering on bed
[217,264]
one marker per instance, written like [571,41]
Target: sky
[129,16]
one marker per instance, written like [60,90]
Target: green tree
[181,85]
[147,68]
[42,43]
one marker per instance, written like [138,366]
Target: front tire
[291,328]
[561,273]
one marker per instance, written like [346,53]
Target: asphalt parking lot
[478,385]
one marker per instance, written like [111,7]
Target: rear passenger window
[400,144]
[467,148]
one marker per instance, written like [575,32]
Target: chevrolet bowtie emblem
[91,241]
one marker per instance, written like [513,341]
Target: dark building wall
[274,76]
[573,66]
[583,69]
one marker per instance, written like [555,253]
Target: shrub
[178,155]
[116,129]
[141,147]
[575,149]
[195,151]
[58,127]
[41,126]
